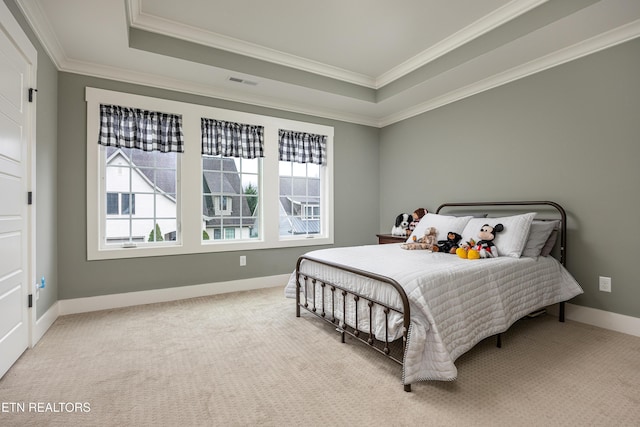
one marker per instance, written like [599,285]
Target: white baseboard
[44,323]
[600,318]
[104,302]
[591,316]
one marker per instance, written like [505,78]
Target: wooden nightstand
[390,238]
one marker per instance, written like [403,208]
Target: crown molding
[161,82]
[43,30]
[595,44]
[482,26]
[142,21]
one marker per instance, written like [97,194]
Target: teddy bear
[428,241]
[484,248]
[450,245]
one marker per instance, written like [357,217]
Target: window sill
[205,247]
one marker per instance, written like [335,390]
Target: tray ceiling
[372,62]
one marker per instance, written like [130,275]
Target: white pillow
[509,241]
[538,236]
[442,223]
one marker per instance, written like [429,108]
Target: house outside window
[300,199]
[230,197]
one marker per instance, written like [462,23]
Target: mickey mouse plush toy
[484,248]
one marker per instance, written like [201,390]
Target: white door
[15,75]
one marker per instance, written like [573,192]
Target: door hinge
[30,197]
[31,90]
[30,300]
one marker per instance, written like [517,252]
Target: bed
[425,309]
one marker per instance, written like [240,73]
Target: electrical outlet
[605,284]
[243,260]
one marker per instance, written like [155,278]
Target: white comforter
[455,303]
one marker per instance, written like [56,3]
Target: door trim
[17,35]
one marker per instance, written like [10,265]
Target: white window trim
[189,209]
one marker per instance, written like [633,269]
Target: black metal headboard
[556,206]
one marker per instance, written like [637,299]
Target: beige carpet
[244,359]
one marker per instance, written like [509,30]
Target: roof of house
[298,191]
[158,168]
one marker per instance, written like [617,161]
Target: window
[302,159]
[311,212]
[223,205]
[230,197]
[128,203]
[229,233]
[300,189]
[141,196]
[121,203]
[113,203]
[181,198]
[231,155]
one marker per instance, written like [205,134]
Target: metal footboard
[327,307]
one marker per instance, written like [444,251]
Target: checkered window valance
[302,147]
[231,139]
[135,128]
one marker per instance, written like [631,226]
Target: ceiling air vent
[239,80]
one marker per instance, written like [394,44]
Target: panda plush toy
[401,226]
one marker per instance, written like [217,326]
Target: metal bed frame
[326,307]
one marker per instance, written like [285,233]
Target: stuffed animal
[484,248]
[427,242]
[401,227]
[450,245]
[417,216]
[430,238]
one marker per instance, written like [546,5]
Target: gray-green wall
[46,169]
[356,202]
[570,134]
